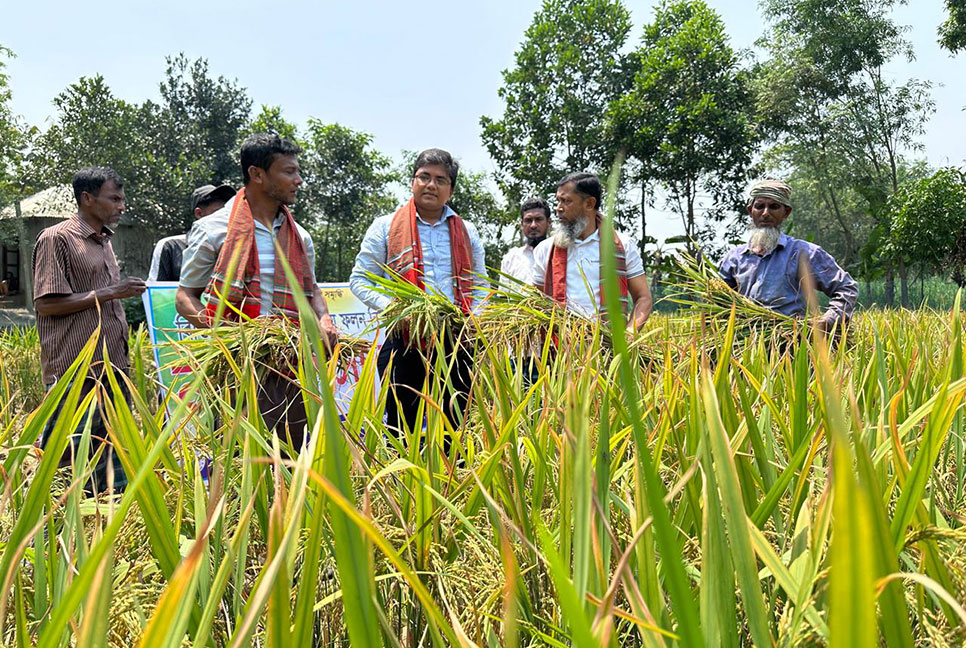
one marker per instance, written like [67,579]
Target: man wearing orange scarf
[428,244]
[567,265]
[247,227]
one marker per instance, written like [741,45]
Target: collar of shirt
[783,241]
[593,237]
[276,225]
[279,217]
[447,212]
[86,230]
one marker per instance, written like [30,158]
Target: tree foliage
[14,137]
[346,188]
[688,117]
[928,223]
[826,102]
[952,33]
[163,151]
[567,70]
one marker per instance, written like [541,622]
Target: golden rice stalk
[700,290]
[269,343]
[423,314]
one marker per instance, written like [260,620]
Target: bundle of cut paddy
[421,314]
[518,317]
[265,344]
[701,290]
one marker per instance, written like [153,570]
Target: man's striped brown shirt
[71,257]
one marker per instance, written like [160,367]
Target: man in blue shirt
[427,243]
[772,266]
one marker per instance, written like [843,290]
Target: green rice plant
[419,314]
[721,491]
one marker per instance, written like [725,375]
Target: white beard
[565,235]
[762,240]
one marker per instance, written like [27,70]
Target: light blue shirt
[774,280]
[437,260]
[208,234]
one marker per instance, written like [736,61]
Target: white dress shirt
[518,263]
[583,270]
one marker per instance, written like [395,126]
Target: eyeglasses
[425,179]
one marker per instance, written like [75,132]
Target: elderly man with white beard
[567,265]
[771,267]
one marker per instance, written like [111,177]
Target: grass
[771,496]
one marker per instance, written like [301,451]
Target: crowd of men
[227,263]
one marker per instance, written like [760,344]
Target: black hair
[91,179]
[535,203]
[261,149]
[440,157]
[586,184]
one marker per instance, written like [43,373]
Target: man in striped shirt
[270,170]
[78,287]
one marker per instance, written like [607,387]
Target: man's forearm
[54,305]
[642,310]
[189,306]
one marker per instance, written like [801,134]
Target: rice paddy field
[713,480]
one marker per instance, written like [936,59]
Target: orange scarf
[243,291]
[405,253]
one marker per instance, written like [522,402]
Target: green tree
[208,115]
[928,223]
[163,151]
[472,199]
[347,186]
[688,117]
[825,100]
[192,138]
[270,120]
[14,137]
[952,33]
[92,127]
[567,70]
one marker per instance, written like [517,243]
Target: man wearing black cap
[166,260]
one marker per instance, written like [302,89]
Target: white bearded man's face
[566,233]
[762,240]
[767,216]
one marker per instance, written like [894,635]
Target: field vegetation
[708,484]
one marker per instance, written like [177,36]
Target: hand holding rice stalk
[269,343]
[414,312]
[701,290]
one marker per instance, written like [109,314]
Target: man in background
[567,267]
[534,225]
[168,253]
[772,266]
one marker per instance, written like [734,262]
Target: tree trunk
[903,284]
[890,287]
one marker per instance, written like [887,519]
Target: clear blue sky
[413,74]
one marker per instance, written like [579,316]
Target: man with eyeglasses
[428,244]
